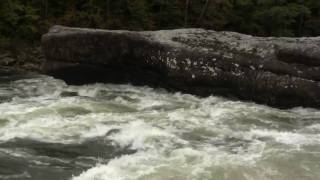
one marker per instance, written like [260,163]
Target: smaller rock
[7,61]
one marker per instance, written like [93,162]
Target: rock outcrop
[281,72]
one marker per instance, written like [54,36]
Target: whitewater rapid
[51,130]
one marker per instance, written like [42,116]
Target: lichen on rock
[281,72]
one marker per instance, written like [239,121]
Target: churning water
[52,131]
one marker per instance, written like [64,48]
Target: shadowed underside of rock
[281,72]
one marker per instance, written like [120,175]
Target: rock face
[281,72]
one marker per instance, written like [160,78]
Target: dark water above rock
[50,130]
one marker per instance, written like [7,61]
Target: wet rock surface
[281,72]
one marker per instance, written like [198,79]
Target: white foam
[289,138]
[176,136]
[136,134]
[181,163]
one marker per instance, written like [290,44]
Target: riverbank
[20,56]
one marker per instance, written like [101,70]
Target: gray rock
[7,61]
[4,55]
[281,72]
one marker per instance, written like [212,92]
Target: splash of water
[108,131]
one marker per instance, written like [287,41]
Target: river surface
[52,131]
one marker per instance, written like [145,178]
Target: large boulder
[281,72]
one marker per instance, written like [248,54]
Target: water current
[50,131]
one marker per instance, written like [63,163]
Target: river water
[52,131]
